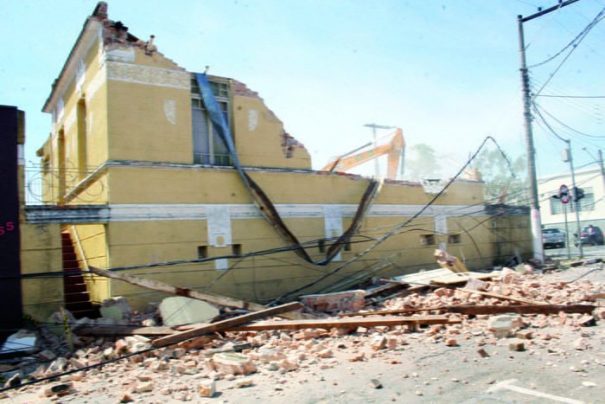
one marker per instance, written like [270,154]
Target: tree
[505,179]
[421,162]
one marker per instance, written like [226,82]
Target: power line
[570,96]
[536,106]
[574,42]
[581,37]
[550,129]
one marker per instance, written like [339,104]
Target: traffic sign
[564,194]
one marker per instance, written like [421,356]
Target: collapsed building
[190,179]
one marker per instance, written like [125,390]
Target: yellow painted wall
[41,253]
[258,136]
[92,91]
[208,185]
[139,128]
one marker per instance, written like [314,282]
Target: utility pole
[374,127]
[602,168]
[536,224]
[569,158]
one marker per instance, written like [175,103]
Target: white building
[591,207]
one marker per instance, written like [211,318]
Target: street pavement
[588,250]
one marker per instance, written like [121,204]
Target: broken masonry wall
[260,138]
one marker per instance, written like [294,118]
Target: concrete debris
[450,262]
[375,383]
[179,310]
[484,324]
[23,341]
[116,308]
[232,363]
[502,326]
[60,390]
[476,284]
[244,383]
[516,344]
[352,300]
[143,387]
[207,388]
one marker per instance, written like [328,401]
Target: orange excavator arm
[392,149]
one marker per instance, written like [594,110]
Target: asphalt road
[589,251]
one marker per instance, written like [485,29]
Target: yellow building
[137,172]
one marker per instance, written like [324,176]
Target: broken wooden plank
[442,276]
[391,311]
[488,309]
[522,309]
[121,330]
[193,294]
[502,297]
[347,322]
[226,325]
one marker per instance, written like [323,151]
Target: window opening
[454,239]
[202,251]
[236,249]
[208,147]
[427,239]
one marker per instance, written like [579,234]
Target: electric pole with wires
[536,224]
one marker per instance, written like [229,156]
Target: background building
[591,207]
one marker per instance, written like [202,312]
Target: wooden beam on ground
[523,309]
[390,311]
[502,297]
[491,309]
[121,330]
[348,322]
[225,325]
[193,294]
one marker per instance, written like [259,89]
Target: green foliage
[421,162]
[505,179]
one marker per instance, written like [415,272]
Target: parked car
[586,238]
[553,238]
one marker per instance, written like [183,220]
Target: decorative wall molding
[145,212]
[148,75]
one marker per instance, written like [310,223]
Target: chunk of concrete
[516,344]
[231,363]
[351,300]
[23,341]
[179,310]
[207,388]
[115,308]
[503,325]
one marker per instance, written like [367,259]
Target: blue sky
[444,71]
